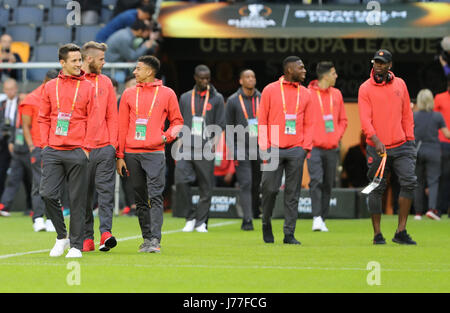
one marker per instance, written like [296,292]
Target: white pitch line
[6,256]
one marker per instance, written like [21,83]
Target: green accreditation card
[329,124]
[141,129]
[290,126]
[197,125]
[218,159]
[62,124]
[19,140]
[253,127]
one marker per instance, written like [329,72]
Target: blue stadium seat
[44,3]
[28,15]
[4,16]
[57,34]
[58,15]
[45,53]
[106,15]
[10,3]
[109,2]
[36,74]
[86,33]
[60,2]
[22,33]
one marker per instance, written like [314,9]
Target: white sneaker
[201,228]
[418,217]
[59,247]
[189,226]
[323,227]
[4,213]
[39,224]
[317,223]
[74,253]
[49,226]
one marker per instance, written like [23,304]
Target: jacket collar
[79,77]
[155,83]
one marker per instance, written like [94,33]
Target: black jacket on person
[234,116]
[215,111]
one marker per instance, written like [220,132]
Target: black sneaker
[403,238]
[267,233]
[290,239]
[378,239]
[247,225]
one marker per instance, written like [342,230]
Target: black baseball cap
[383,55]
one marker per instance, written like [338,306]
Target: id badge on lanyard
[329,124]
[62,124]
[141,129]
[197,125]
[19,140]
[290,125]
[253,127]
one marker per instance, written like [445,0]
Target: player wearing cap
[387,121]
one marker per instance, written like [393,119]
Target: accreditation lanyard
[141,123]
[253,122]
[62,124]
[327,118]
[197,121]
[290,119]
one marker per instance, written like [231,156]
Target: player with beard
[102,159]
[387,121]
[285,109]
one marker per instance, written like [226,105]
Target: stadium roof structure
[263,20]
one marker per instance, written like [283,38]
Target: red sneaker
[125,210]
[88,245]
[107,241]
[3,212]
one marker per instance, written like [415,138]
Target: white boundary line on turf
[6,256]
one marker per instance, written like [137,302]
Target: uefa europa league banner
[259,20]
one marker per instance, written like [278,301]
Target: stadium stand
[41,3]
[27,33]
[86,33]
[56,34]
[57,15]
[28,15]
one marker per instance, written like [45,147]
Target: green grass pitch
[228,260]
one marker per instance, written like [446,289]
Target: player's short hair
[243,71]
[64,50]
[323,68]
[151,61]
[289,60]
[93,45]
[201,68]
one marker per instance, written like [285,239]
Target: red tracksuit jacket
[108,122]
[442,104]
[83,123]
[385,111]
[30,107]
[166,106]
[321,138]
[271,113]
